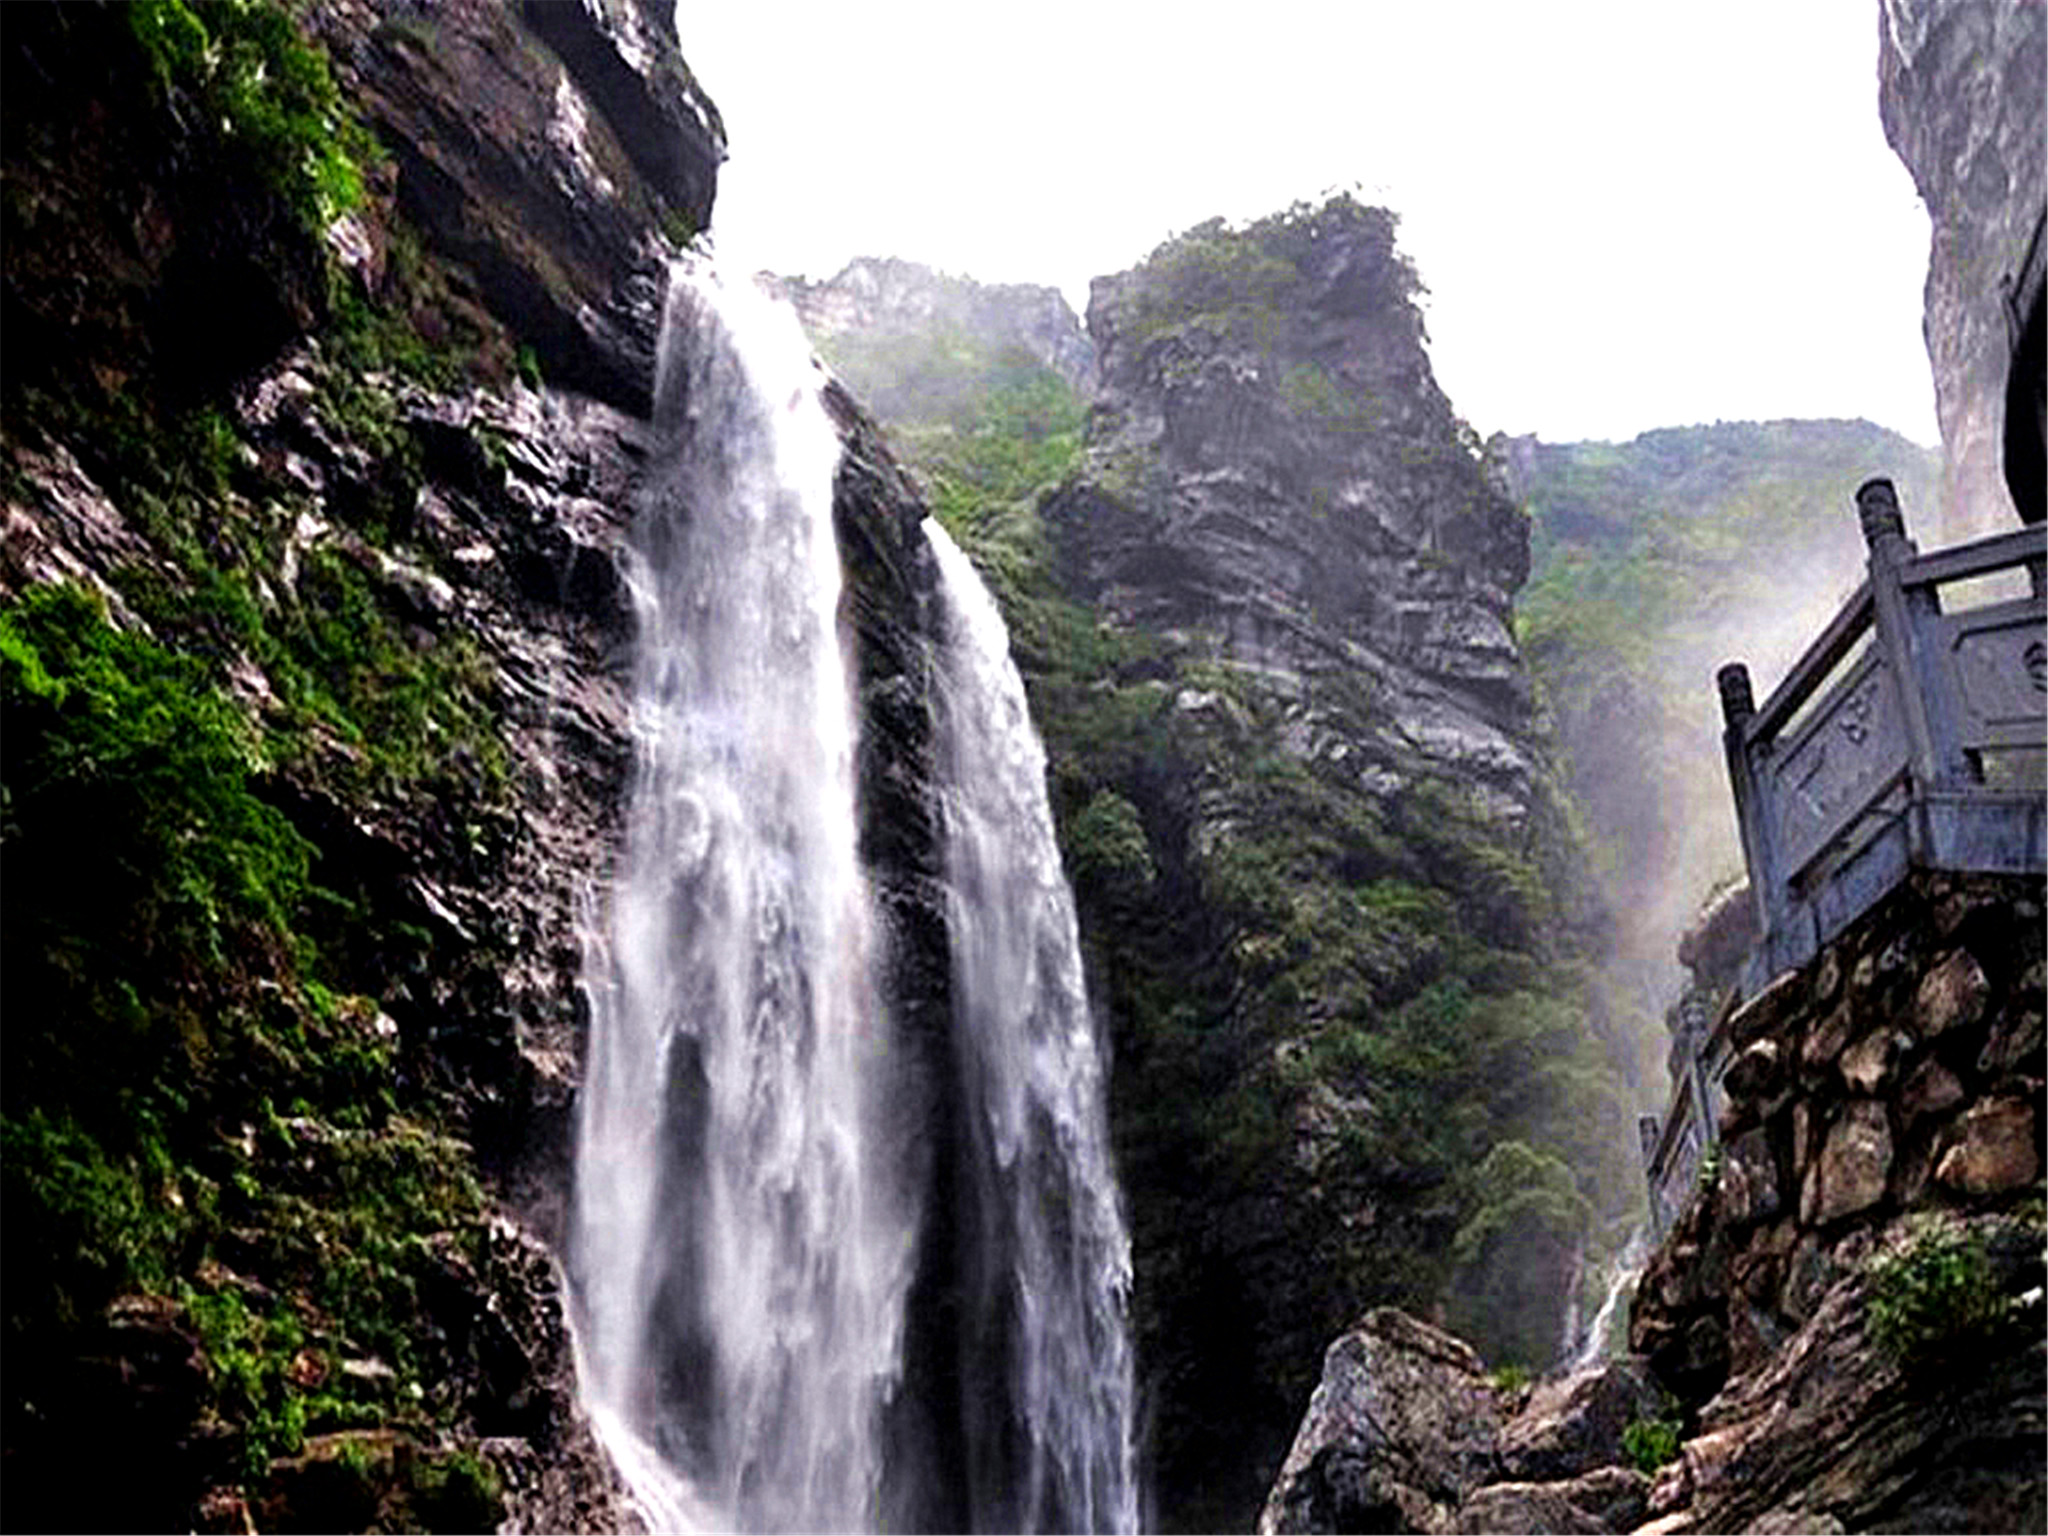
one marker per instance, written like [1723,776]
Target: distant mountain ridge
[1653,562]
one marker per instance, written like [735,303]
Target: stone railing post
[1752,806]
[1907,631]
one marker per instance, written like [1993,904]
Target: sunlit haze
[1627,215]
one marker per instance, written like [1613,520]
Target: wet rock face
[1962,95]
[1272,465]
[559,151]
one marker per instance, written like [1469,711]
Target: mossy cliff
[1334,909]
[313,733]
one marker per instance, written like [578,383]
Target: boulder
[1574,1423]
[1748,1191]
[1763,1014]
[1951,994]
[1867,1065]
[1400,1429]
[1928,1091]
[1527,1508]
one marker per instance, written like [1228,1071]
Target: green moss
[244,65]
[458,1491]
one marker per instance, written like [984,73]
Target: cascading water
[1048,1266]
[743,1237]
[1590,1347]
[752,1168]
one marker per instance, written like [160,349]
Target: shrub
[1932,1294]
[1650,1443]
[1106,844]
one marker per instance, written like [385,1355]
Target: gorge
[605,925]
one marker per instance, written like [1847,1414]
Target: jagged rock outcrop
[1402,1426]
[1407,1432]
[885,322]
[1271,464]
[1963,88]
[561,151]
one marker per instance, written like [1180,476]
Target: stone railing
[1906,737]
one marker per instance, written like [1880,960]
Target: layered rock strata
[1272,466]
[561,152]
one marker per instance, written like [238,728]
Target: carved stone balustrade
[1909,736]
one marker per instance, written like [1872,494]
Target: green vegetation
[1243,282]
[177,1084]
[1653,563]
[243,65]
[228,1099]
[1932,1296]
[1708,1179]
[1322,1002]
[1651,1443]
[1528,1217]
[1511,1378]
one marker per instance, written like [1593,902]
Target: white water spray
[743,1238]
[1048,1270]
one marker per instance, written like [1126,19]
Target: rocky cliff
[1963,88]
[1271,465]
[1260,590]
[313,637]
[1357,957]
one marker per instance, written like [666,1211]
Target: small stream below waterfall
[750,1198]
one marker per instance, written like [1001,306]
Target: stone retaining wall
[1902,1069]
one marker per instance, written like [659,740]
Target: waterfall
[1049,1263]
[754,1169]
[742,1238]
[1590,1348]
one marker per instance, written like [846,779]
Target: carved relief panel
[1838,764]
[1998,661]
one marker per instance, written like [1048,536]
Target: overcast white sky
[1628,215]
